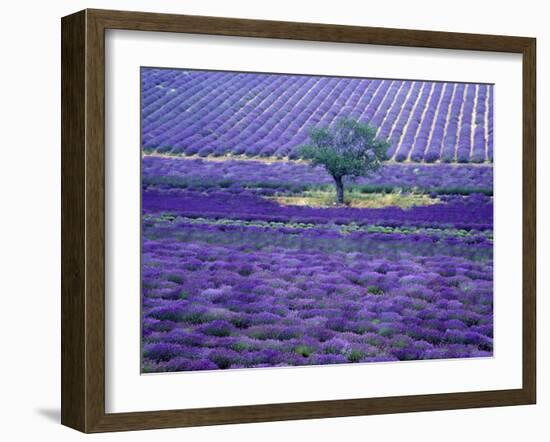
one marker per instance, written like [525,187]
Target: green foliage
[386,331]
[304,350]
[178,279]
[355,356]
[349,149]
[374,290]
[240,346]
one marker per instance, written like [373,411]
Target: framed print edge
[83,221]
[73,384]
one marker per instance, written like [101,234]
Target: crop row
[290,176]
[216,113]
[474,212]
[397,233]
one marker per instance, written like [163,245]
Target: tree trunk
[339,190]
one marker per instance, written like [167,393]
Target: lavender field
[248,262]
[218,113]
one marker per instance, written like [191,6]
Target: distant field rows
[217,113]
[282,177]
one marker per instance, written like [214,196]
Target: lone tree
[350,148]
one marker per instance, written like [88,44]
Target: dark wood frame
[83,220]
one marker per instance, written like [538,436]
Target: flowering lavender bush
[212,113]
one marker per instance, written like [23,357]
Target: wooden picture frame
[83,220]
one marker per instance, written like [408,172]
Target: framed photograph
[268,220]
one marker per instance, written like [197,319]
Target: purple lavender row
[434,150]
[393,113]
[153,82]
[354,89]
[376,101]
[478,148]
[214,113]
[286,174]
[475,212]
[180,97]
[328,237]
[236,124]
[275,127]
[383,109]
[365,99]
[398,130]
[451,131]
[156,92]
[413,123]
[185,124]
[421,140]
[197,132]
[465,133]
[156,126]
[342,92]
[194,128]
[155,113]
[307,111]
[251,123]
[204,132]
[253,128]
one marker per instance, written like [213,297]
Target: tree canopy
[349,148]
